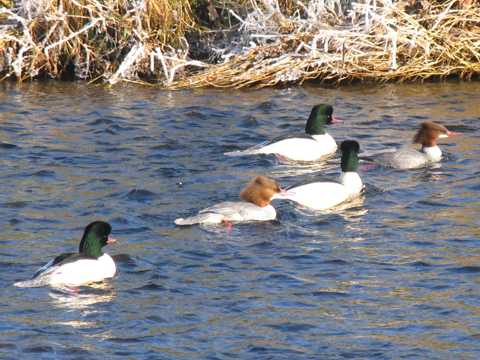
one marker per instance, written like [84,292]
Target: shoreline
[175,44]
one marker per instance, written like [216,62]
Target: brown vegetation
[247,43]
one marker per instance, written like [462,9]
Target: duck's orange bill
[111,240]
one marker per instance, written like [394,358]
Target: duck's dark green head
[350,150]
[95,236]
[320,116]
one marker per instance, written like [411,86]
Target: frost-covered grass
[249,42]
[335,41]
[109,40]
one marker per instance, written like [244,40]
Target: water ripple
[394,275]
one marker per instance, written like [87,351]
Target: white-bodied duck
[315,144]
[255,206]
[410,158]
[89,265]
[325,195]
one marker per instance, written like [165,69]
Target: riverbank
[188,44]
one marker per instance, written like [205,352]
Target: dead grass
[110,39]
[264,42]
[375,41]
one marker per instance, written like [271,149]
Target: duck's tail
[30,283]
[261,148]
[250,151]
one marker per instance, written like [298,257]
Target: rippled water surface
[394,276]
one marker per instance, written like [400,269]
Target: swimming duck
[325,195]
[255,206]
[76,269]
[315,144]
[409,158]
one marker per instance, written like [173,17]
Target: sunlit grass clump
[335,41]
[111,39]
[226,43]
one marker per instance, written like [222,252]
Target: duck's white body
[240,211]
[73,273]
[309,148]
[325,195]
[410,158]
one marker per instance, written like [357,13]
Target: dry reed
[377,40]
[263,42]
[111,39]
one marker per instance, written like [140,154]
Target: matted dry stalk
[375,40]
[272,43]
[112,39]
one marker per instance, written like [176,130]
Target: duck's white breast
[319,195]
[84,271]
[433,153]
[303,149]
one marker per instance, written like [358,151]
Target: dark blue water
[397,275]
